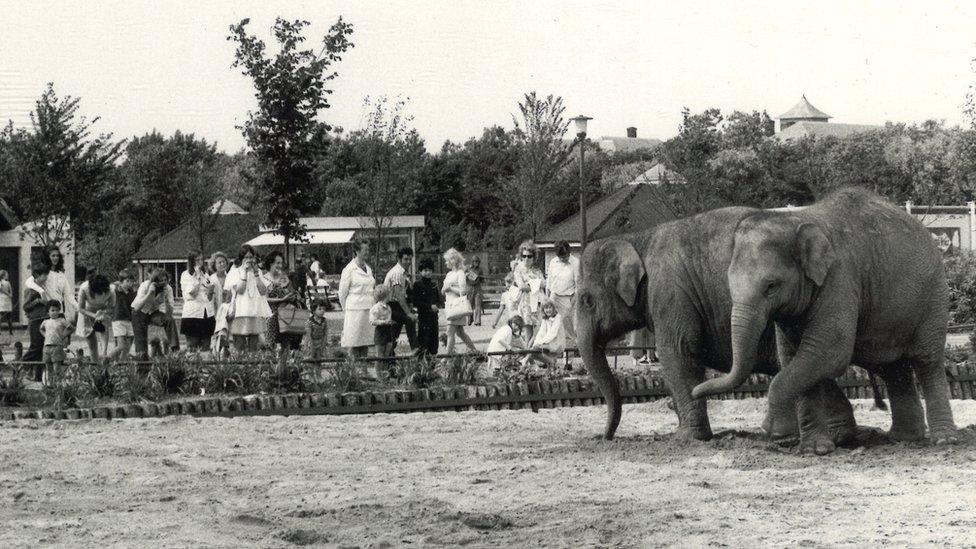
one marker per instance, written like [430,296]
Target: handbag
[292,319]
[458,308]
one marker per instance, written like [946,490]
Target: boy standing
[35,307]
[428,300]
[57,334]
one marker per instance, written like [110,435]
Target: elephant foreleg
[907,418]
[681,373]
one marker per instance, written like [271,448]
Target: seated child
[507,338]
[381,316]
[316,337]
[550,337]
[57,334]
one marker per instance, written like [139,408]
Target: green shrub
[97,380]
[461,370]
[68,391]
[345,376]
[136,385]
[175,374]
[961,277]
[12,385]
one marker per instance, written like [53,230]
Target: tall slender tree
[291,88]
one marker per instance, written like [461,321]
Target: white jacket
[356,287]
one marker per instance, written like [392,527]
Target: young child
[507,338]
[508,299]
[6,302]
[428,300]
[381,316]
[35,307]
[550,337]
[125,292]
[57,334]
[316,332]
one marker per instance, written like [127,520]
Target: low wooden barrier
[534,395]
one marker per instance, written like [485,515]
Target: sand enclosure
[473,478]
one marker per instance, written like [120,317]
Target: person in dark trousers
[475,280]
[35,307]
[398,279]
[428,301]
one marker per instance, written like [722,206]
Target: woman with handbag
[457,309]
[531,284]
[284,301]
[96,305]
[197,322]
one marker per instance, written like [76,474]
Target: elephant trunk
[595,358]
[748,325]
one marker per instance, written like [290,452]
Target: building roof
[229,232]
[627,144]
[804,110]
[805,128]
[356,223]
[629,208]
[225,207]
[656,174]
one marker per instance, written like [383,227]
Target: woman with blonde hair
[531,284]
[455,288]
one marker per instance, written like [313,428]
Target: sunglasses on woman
[527,256]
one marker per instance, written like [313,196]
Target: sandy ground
[508,478]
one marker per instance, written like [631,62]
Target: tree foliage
[291,88]
[55,174]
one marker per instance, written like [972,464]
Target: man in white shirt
[398,280]
[562,280]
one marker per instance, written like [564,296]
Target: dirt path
[510,478]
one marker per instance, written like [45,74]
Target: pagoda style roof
[804,110]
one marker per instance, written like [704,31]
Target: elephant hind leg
[682,371]
[907,418]
[930,371]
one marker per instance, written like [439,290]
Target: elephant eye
[586,300]
[771,287]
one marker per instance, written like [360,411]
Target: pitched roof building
[805,120]
[627,144]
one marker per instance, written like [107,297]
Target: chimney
[632,132]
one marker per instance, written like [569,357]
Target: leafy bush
[461,370]
[173,375]
[97,381]
[12,386]
[416,372]
[135,385]
[961,277]
[345,376]
[69,389]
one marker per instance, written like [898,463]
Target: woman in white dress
[356,297]
[455,287]
[250,309]
[197,321]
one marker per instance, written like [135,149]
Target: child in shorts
[125,292]
[57,334]
[316,337]
[381,316]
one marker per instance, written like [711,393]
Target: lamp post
[580,123]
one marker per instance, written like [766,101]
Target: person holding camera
[198,317]
[249,310]
[153,295]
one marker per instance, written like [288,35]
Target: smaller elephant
[851,278]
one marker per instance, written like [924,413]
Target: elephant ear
[625,269]
[814,251]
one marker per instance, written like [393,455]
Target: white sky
[464,64]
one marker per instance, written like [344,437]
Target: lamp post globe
[580,125]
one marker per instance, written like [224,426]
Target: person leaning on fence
[35,307]
[506,338]
[315,342]
[57,334]
[428,301]
[96,308]
[550,337]
[398,280]
[381,318]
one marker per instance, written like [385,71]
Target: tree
[291,89]
[539,131]
[55,173]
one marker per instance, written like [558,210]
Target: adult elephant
[672,279]
[849,279]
